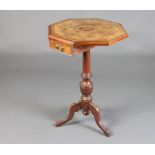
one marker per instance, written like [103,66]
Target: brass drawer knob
[60,48]
[57,47]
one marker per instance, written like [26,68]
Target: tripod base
[75,107]
[86,87]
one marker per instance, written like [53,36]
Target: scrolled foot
[96,112]
[107,133]
[74,108]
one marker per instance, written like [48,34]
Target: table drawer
[61,47]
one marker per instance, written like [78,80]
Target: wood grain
[85,32]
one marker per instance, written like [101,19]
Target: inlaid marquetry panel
[86,32]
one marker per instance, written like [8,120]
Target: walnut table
[75,36]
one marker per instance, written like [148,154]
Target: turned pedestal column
[86,104]
[78,36]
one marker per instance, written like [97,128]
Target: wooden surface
[79,35]
[85,104]
[72,34]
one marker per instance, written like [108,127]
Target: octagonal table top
[87,32]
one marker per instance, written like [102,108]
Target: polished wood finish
[71,34]
[86,62]
[86,104]
[75,36]
[74,108]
